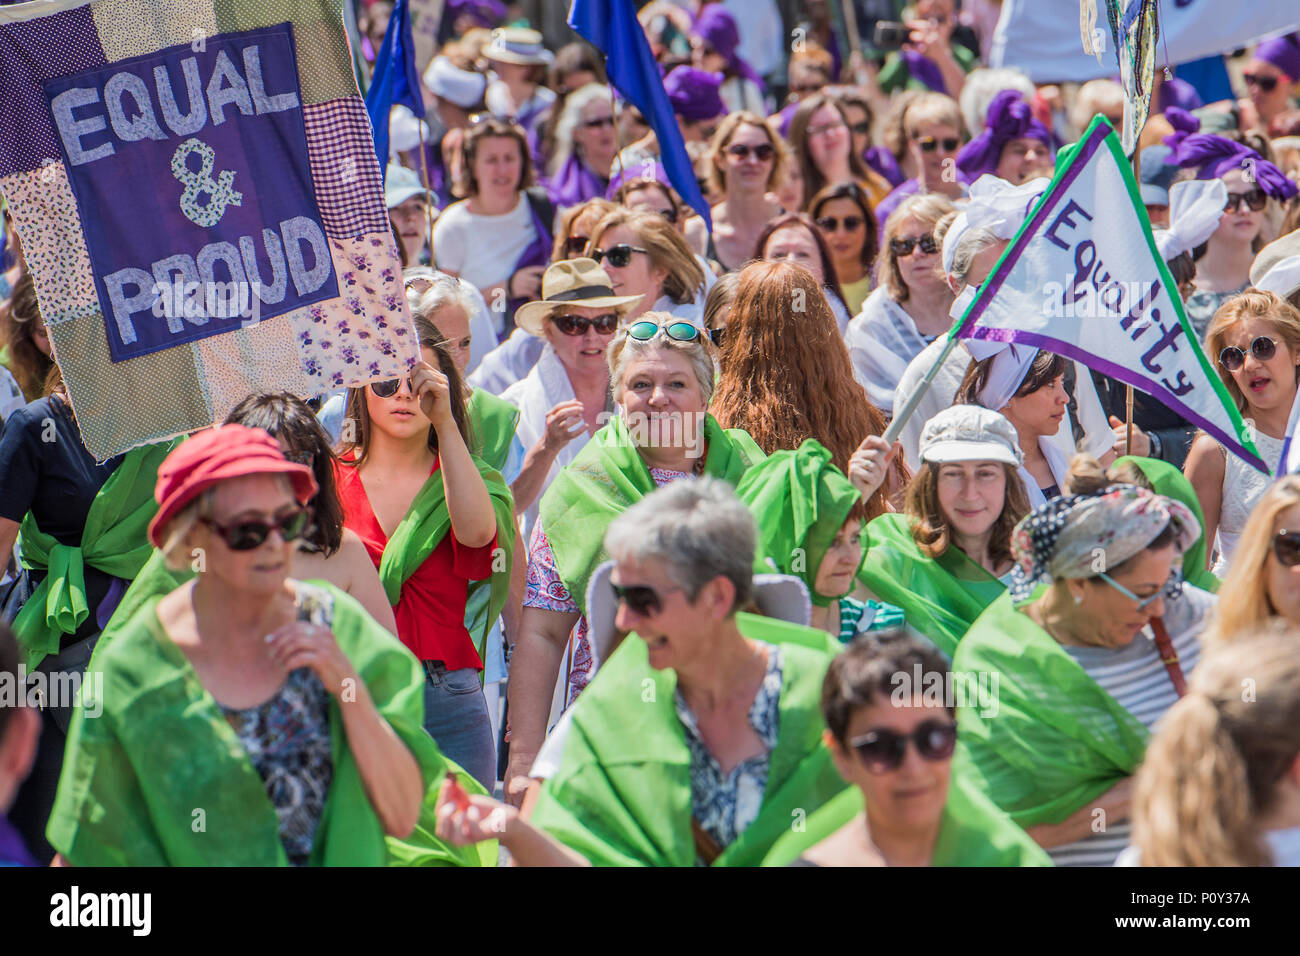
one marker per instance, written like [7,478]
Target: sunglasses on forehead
[247,535]
[1233,358]
[883,750]
[645,330]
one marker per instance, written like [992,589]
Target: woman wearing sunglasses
[1013,145]
[712,756]
[1262,586]
[585,144]
[746,161]
[1270,75]
[438,523]
[932,133]
[1256,339]
[645,256]
[645,187]
[822,143]
[662,376]
[904,805]
[843,215]
[1092,644]
[277,707]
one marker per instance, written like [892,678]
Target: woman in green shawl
[244,718]
[946,557]
[904,806]
[662,372]
[700,739]
[810,525]
[1091,645]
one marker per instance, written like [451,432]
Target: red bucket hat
[214,456]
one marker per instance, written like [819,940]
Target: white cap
[464,88]
[970,433]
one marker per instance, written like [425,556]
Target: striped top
[1137,678]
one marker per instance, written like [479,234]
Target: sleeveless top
[1243,486]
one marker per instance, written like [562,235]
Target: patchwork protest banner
[196,190]
[1082,278]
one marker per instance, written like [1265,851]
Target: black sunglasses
[1263,348]
[247,535]
[619,256]
[1254,200]
[1266,83]
[1286,548]
[883,750]
[831,223]
[861,129]
[642,601]
[578,325]
[598,123]
[902,246]
[717,335]
[389,386]
[762,152]
[929,144]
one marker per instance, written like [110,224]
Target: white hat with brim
[518,45]
[568,284]
[969,433]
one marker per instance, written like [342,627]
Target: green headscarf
[606,478]
[495,421]
[1169,481]
[801,501]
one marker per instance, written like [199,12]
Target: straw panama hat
[569,283]
[518,45]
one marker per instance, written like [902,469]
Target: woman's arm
[363,580]
[1205,467]
[8,535]
[480,818]
[533,672]
[562,423]
[512,613]
[1114,806]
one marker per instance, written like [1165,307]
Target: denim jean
[456,717]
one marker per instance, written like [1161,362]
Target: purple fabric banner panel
[192,181]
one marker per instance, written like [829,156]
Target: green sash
[801,501]
[606,478]
[1057,739]
[115,541]
[495,421]
[972,832]
[941,597]
[1169,481]
[425,525]
[622,794]
[160,778]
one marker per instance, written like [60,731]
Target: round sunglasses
[1286,548]
[645,330]
[929,144]
[247,535]
[619,256]
[883,750]
[1263,348]
[902,246]
[832,223]
[606,324]
[1255,200]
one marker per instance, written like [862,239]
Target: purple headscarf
[1179,93]
[486,13]
[651,172]
[694,94]
[1184,124]
[924,70]
[1009,117]
[717,27]
[1283,53]
[573,183]
[1216,155]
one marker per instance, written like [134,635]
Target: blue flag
[395,80]
[612,27]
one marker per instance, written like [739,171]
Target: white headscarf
[1195,208]
[996,205]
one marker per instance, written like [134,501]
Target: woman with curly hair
[786,375]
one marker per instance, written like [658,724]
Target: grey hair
[574,104]
[624,348]
[969,245]
[444,290]
[697,530]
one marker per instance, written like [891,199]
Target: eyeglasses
[1254,200]
[619,256]
[247,535]
[575,245]
[389,386]
[1232,358]
[1266,83]
[1142,602]
[902,246]
[762,152]
[578,324]
[645,330]
[1286,548]
[831,223]
[640,600]
[883,750]
[929,144]
[598,123]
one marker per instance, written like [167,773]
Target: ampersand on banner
[220,192]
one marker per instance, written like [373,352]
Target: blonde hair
[1283,317]
[1243,604]
[722,137]
[1213,767]
[699,354]
[668,250]
[931,108]
[928,208]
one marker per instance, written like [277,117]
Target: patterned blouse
[288,743]
[725,804]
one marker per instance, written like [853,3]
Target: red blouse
[430,611]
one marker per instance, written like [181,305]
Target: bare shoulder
[1206,459]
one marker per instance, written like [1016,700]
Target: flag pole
[1128,389]
[902,415]
[428,189]
[618,135]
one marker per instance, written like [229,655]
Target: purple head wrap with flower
[717,27]
[1217,155]
[1009,117]
[1184,124]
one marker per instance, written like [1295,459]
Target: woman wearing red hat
[221,706]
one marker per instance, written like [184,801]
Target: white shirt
[762,34]
[508,363]
[482,250]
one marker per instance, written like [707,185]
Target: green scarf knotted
[1169,481]
[425,525]
[115,540]
[495,421]
[801,501]
[606,478]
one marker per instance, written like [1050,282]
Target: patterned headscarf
[1065,537]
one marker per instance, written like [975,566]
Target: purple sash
[574,183]
[538,253]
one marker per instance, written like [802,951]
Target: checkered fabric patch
[349,191]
